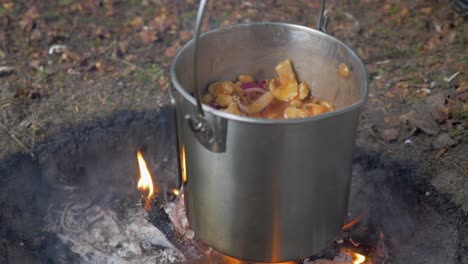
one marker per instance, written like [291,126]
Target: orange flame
[145,183]
[358,258]
[231,260]
[183,165]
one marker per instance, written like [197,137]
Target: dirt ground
[66,62]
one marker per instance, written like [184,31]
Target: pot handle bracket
[212,133]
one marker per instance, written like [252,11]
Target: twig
[17,140]
[449,79]
[376,138]
[355,244]
[159,218]
[124,62]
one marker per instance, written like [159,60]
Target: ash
[101,235]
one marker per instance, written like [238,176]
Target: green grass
[395,8]
[149,73]
[460,114]
[3,11]
[65,2]
[43,76]
[95,43]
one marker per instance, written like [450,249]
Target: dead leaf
[129,70]
[35,64]
[390,94]
[462,88]
[136,22]
[404,12]
[463,96]
[32,12]
[170,52]
[185,35]
[426,10]
[75,56]
[109,5]
[164,83]
[147,36]
[392,120]
[8,5]
[99,65]
[27,23]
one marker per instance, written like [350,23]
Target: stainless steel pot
[259,189]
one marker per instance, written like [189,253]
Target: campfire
[55,207]
[348,250]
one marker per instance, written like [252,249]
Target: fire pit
[78,202]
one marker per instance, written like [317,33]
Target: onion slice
[247,86]
[258,105]
[254,90]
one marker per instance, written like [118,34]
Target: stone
[390,134]
[443,141]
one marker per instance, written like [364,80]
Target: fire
[145,183]
[358,258]
[231,260]
[183,165]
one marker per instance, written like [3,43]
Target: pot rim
[239,118]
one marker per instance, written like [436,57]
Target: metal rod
[320,19]
[196,38]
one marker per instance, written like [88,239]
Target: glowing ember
[353,222]
[358,258]
[145,183]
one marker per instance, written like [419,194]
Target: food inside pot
[282,97]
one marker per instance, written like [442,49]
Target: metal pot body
[275,190]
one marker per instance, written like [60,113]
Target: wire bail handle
[197,122]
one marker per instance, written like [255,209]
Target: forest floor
[66,62]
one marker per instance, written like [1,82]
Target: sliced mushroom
[304,90]
[218,88]
[245,78]
[283,91]
[293,112]
[224,100]
[315,109]
[328,105]
[285,71]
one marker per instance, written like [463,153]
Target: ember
[145,183]
[353,222]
